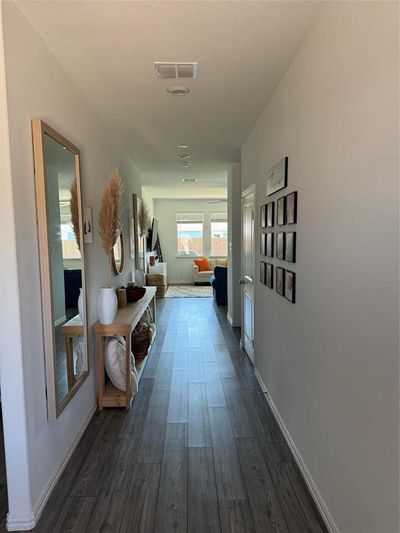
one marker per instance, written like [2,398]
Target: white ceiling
[108,49]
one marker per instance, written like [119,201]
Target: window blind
[189,217]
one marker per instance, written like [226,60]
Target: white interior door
[247,279]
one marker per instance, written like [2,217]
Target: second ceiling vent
[176,71]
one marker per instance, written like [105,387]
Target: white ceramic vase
[80,306]
[107,305]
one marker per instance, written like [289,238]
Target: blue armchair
[219,282]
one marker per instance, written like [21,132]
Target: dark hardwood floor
[199,451]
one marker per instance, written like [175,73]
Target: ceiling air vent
[176,71]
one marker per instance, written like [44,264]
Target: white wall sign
[277,176]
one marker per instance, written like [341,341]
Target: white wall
[38,87]
[13,403]
[180,269]
[234,251]
[331,361]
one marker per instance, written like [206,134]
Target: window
[190,233]
[70,249]
[219,234]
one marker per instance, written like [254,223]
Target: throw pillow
[203,264]
[115,364]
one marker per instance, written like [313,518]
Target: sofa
[205,275]
[219,282]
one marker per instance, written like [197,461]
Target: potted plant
[109,228]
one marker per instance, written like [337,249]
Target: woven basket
[140,343]
[158,280]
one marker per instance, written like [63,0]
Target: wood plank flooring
[198,452]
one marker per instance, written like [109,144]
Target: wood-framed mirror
[118,255]
[62,265]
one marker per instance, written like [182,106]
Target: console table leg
[100,358]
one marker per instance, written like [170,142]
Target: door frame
[246,192]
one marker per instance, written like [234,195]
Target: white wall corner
[13,401]
[305,472]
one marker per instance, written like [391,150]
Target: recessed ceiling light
[178,90]
[190,180]
[182,146]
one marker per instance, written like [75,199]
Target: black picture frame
[281,211]
[290,286]
[269,281]
[280,280]
[263,244]
[280,246]
[290,247]
[263,272]
[263,216]
[269,245]
[291,208]
[270,220]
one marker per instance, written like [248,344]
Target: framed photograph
[87,225]
[131,227]
[270,244]
[291,208]
[290,247]
[263,272]
[270,214]
[263,246]
[280,246]
[277,176]
[263,216]
[280,281]
[281,214]
[270,276]
[290,286]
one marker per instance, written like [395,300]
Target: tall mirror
[62,265]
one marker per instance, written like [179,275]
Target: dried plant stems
[110,217]
[74,208]
[143,219]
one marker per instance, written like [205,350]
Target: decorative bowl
[134,293]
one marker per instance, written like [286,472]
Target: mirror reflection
[118,255]
[65,258]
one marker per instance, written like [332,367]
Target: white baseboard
[312,486]
[20,522]
[231,322]
[25,522]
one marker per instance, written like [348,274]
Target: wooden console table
[125,322]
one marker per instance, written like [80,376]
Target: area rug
[189,291]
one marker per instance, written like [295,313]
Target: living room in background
[166,210]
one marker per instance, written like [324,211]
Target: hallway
[199,451]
